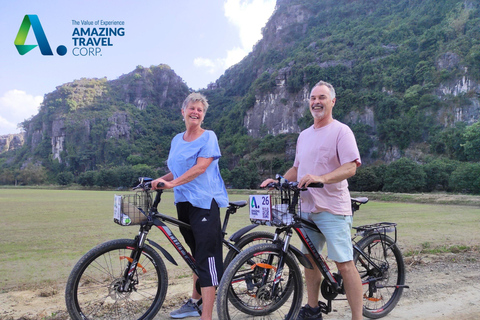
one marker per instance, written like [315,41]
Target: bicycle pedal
[324,308]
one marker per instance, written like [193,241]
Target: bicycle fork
[281,263]
[133,260]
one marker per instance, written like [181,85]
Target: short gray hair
[194,97]
[326,84]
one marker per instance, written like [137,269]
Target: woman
[199,192]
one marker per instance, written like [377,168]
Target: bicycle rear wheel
[245,290]
[93,288]
[381,290]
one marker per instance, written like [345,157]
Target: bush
[32,174]
[466,178]
[106,178]
[243,177]
[7,177]
[65,178]
[142,170]
[404,175]
[366,179]
[87,178]
[438,174]
[125,176]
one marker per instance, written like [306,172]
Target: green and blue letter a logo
[32,20]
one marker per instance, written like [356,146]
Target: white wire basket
[130,209]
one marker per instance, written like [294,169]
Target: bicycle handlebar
[146,184]
[293,185]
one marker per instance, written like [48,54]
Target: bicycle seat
[361,200]
[240,203]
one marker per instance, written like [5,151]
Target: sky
[199,40]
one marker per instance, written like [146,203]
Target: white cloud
[249,16]
[234,56]
[211,65]
[15,107]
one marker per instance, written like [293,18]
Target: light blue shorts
[336,231]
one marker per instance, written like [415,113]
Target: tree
[449,142]
[32,174]
[7,177]
[472,142]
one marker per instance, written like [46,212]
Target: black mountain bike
[265,280]
[127,278]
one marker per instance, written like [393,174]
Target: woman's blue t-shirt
[207,186]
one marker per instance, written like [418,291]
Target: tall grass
[45,232]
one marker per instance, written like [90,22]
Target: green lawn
[45,232]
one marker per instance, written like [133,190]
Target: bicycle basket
[275,209]
[127,209]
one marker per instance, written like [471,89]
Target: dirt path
[442,287]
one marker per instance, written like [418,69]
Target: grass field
[45,232]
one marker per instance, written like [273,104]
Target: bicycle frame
[320,262]
[156,219]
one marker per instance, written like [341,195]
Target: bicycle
[127,278]
[265,280]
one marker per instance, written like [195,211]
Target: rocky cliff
[11,142]
[392,63]
[82,122]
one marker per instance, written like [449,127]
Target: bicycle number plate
[260,207]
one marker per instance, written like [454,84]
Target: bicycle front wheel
[97,288]
[383,279]
[247,241]
[247,287]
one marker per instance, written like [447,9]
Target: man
[327,153]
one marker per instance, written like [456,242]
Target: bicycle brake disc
[114,293]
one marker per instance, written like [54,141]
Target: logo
[42,42]
[254,204]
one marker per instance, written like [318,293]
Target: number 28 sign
[260,207]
